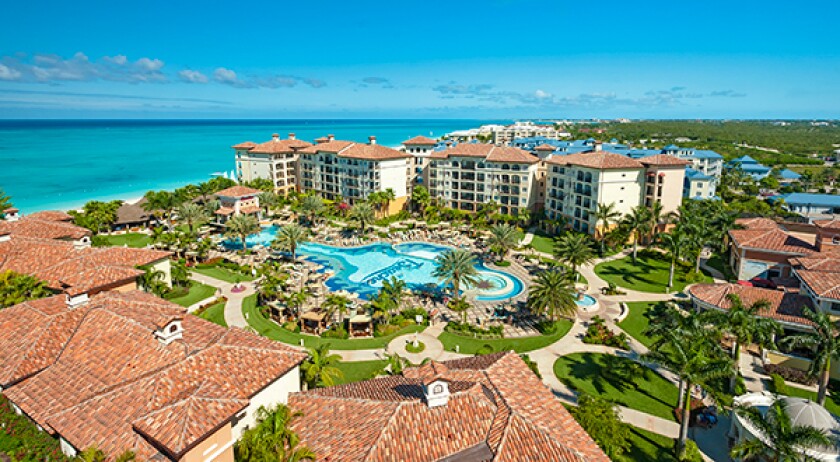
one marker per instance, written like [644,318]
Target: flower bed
[599,334]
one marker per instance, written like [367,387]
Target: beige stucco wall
[217,447]
[620,187]
[672,187]
[276,392]
[164,266]
[796,362]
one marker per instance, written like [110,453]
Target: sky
[419,59]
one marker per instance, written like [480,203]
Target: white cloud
[542,94]
[49,68]
[190,76]
[229,77]
[7,73]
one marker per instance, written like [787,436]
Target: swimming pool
[362,269]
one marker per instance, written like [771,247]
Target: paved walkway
[233,308]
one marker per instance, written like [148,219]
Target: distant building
[749,167]
[787,176]
[812,206]
[237,200]
[275,160]
[420,148]
[698,185]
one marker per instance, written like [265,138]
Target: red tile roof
[65,267]
[772,239]
[238,191]
[828,224]
[490,153]
[601,160]
[828,262]
[420,140]
[545,147]
[757,223]
[497,406]
[245,145]
[106,379]
[664,160]
[353,150]
[278,146]
[51,215]
[822,283]
[44,229]
[784,306]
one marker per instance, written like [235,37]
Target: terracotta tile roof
[44,229]
[278,146]
[65,267]
[828,224]
[773,239]
[249,209]
[601,160]
[51,215]
[238,191]
[545,147]
[664,160]
[353,150]
[757,223]
[110,380]
[245,145]
[828,262]
[822,283]
[497,406]
[224,211]
[489,152]
[420,140]
[784,306]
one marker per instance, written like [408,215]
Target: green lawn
[717,262]
[469,345]
[647,446]
[649,274]
[360,370]
[215,313]
[271,330]
[585,372]
[223,274]
[636,322]
[832,401]
[130,239]
[542,243]
[197,293]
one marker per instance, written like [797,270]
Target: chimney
[371,140]
[598,146]
[5,236]
[275,136]
[448,144]
[330,137]
[435,385]
[77,300]
[291,136]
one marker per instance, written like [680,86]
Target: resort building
[698,185]
[275,160]
[349,171]
[47,225]
[420,148]
[237,200]
[812,206]
[484,408]
[577,183]
[467,176]
[506,134]
[129,371]
[762,249]
[749,167]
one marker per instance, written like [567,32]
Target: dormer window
[437,393]
[170,332]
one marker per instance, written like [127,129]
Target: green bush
[531,365]
[409,347]
[693,277]
[335,332]
[21,439]
[503,263]
[778,385]
[599,334]
[691,453]
[485,349]
[384,330]
[546,327]
[292,326]
[412,313]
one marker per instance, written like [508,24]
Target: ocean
[61,164]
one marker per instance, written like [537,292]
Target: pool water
[362,269]
[586,301]
[263,238]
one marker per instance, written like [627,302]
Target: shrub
[485,349]
[335,332]
[412,313]
[693,277]
[409,347]
[292,326]
[546,327]
[691,453]
[384,330]
[790,374]
[599,334]
[503,263]
[778,385]
[531,365]
[21,439]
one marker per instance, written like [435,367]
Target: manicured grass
[223,274]
[832,401]
[647,446]
[360,370]
[585,372]
[215,313]
[409,347]
[542,243]
[130,239]
[271,330]
[717,262]
[197,293]
[649,274]
[636,322]
[469,345]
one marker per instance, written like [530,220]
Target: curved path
[233,308]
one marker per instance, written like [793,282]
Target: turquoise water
[362,269]
[62,164]
[586,301]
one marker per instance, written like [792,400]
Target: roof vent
[11,214]
[371,140]
[170,332]
[291,136]
[436,392]
[330,137]
[275,136]
[598,146]
[75,301]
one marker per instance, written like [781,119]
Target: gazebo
[312,322]
[361,325]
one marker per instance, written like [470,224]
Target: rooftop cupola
[170,332]
[598,146]
[275,136]
[330,137]
[435,384]
[11,214]
[291,136]
[371,140]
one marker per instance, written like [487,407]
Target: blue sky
[456,59]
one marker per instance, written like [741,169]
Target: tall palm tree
[638,222]
[242,226]
[311,207]
[455,267]
[5,202]
[695,360]
[823,340]
[295,300]
[673,243]
[289,237]
[272,439]
[269,200]
[336,303]
[319,369]
[605,216]
[523,216]
[553,294]
[395,289]
[746,327]
[780,439]
[503,237]
[420,199]
[152,281]
[362,214]
[655,218]
[205,189]
[388,196]
[193,215]
[573,250]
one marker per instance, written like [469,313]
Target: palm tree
[573,250]
[180,273]
[205,189]
[459,305]
[269,200]
[311,207]
[746,327]
[455,267]
[552,293]
[823,340]
[362,214]
[656,218]
[605,216]
[395,289]
[695,360]
[17,288]
[242,226]
[395,364]
[638,222]
[272,439]
[91,454]
[295,300]
[387,197]
[503,238]
[5,202]
[193,215]
[161,203]
[152,281]
[289,237]
[523,216]
[779,438]
[420,199]
[319,369]
[336,303]
[672,242]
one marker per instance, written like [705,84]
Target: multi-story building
[577,183]
[350,171]
[698,185]
[275,160]
[237,200]
[420,148]
[468,175]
